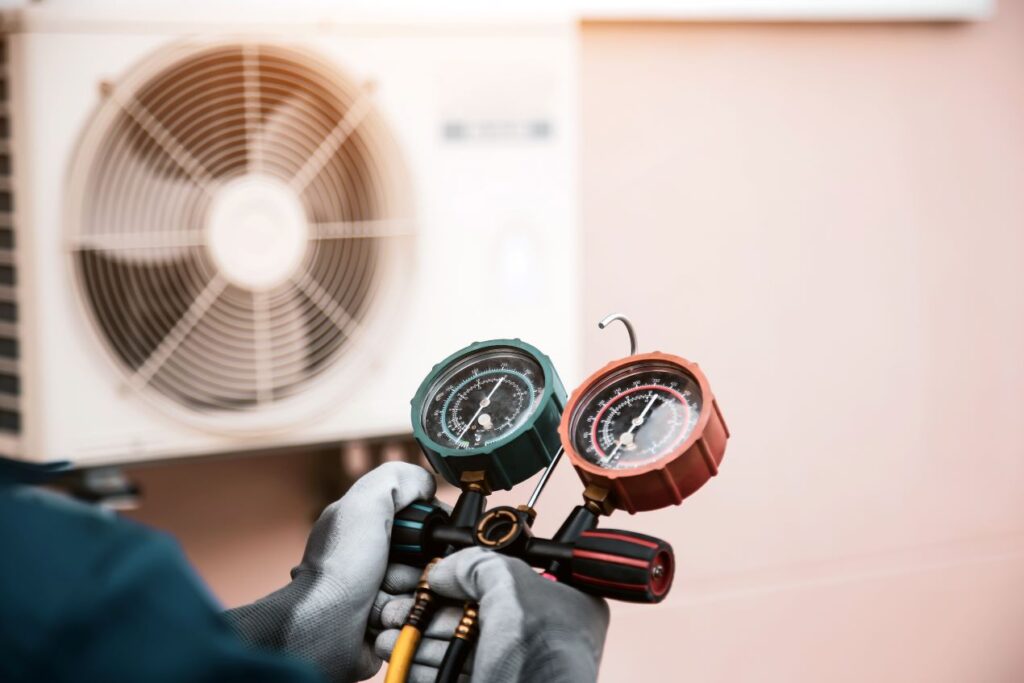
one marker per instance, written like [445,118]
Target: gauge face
[482,398]
[636,416]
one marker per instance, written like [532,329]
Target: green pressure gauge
[493,407]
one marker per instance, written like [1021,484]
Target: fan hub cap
[257,232]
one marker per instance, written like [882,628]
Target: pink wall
[827,218]
[835,213]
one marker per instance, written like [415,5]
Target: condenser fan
[236,211]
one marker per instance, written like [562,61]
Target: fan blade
[332,143]
[343,230]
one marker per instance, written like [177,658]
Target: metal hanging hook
[612,317]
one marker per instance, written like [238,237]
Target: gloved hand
[323,613]
[531,628]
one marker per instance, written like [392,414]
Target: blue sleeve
[127,608]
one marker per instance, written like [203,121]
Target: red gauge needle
[626,436]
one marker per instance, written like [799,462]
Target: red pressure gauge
[646,429]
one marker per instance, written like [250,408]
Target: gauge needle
[486,401]
[627,435]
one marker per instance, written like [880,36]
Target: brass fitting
[530,513]
[598,499]
[475,480]
[467,625]
[425,605]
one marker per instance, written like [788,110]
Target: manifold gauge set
[643,432]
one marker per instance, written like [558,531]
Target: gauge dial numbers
[647,429]
[637,419]
[482,399]
[492,407]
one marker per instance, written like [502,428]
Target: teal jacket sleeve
[87,596]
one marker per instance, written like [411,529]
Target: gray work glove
[531,628]
[323,614]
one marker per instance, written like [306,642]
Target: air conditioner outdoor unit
[260,231]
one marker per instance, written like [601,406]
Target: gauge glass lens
[483,397]
[636,416]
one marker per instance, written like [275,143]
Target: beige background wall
[828,219]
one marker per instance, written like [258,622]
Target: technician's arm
[158,624]
[85,596]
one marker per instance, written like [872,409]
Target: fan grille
[182,299]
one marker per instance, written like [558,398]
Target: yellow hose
[402,655]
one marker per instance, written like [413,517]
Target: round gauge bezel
[591,384]
[551,383]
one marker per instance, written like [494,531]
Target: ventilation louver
[235,213]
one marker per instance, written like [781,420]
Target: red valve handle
[623,565]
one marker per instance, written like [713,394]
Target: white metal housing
[480,118]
